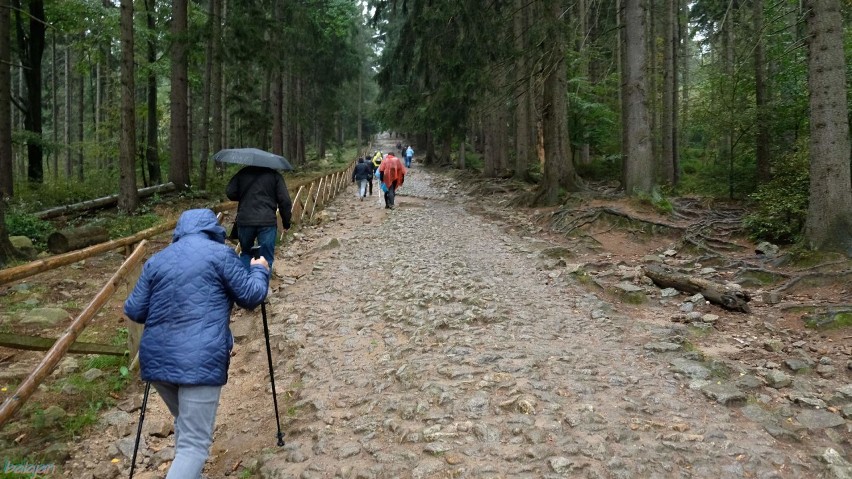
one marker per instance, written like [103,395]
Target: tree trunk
[489,153]
[683,35]
[216,93]
[728,100]
[31,48]
[522,73]
[54,107]
[582,36]
[152,146]
[128,200]
[190,125]
[69,81]
[653,94]
[675,15]
[6,172]
[558,165]
[278,114]
[761,97]
[205,100]
[178,134]
[81,114]
[97,110]
[829,223]
[360,118]
[638,163]
[462,153]
[669,73]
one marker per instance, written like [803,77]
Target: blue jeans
[194,409]
[265,236]
[408,162]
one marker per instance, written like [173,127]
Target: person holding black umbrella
[184,297]
[260,191]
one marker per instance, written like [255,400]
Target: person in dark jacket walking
[372,173]
[260,192]
[184,298]
[362,173]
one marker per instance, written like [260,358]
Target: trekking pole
[255,250]
[139,429]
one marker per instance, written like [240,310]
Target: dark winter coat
[362,171]
[260,192]
[184,298]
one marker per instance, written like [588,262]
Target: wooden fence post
[297,207]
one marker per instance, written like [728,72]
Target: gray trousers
[194,410]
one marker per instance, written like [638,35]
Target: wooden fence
[315,195]
[308,200]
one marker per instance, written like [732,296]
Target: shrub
[782,204]
[23,224]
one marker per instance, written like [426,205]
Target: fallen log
[734,300]
[25,270]
[35,343]
[76,238]
[100,202]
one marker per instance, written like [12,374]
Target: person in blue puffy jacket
[184,298]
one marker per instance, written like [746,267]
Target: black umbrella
[253,157]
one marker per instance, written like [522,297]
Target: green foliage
[606,168]
[782,204]
[80,421]
[122,225]
[829,320]
[592,120]
[473,161]
[658,200]
[23,224]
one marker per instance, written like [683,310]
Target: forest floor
[459,335]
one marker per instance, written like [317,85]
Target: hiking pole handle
[255,252]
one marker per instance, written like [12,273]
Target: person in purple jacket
[184,298]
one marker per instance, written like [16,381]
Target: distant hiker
[362,174]
[392,174]
[399,148]
[372,172]
[184,298]
[377,159]
[409,155]
[260,192]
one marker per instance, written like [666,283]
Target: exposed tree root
[568,220]
[795,280]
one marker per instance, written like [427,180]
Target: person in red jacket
[392,175]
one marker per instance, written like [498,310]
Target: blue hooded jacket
[184,297]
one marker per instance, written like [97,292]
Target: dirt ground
[460,336]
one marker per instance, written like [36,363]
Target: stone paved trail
[429,342]
[425,342]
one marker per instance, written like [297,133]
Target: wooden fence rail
[61,346]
